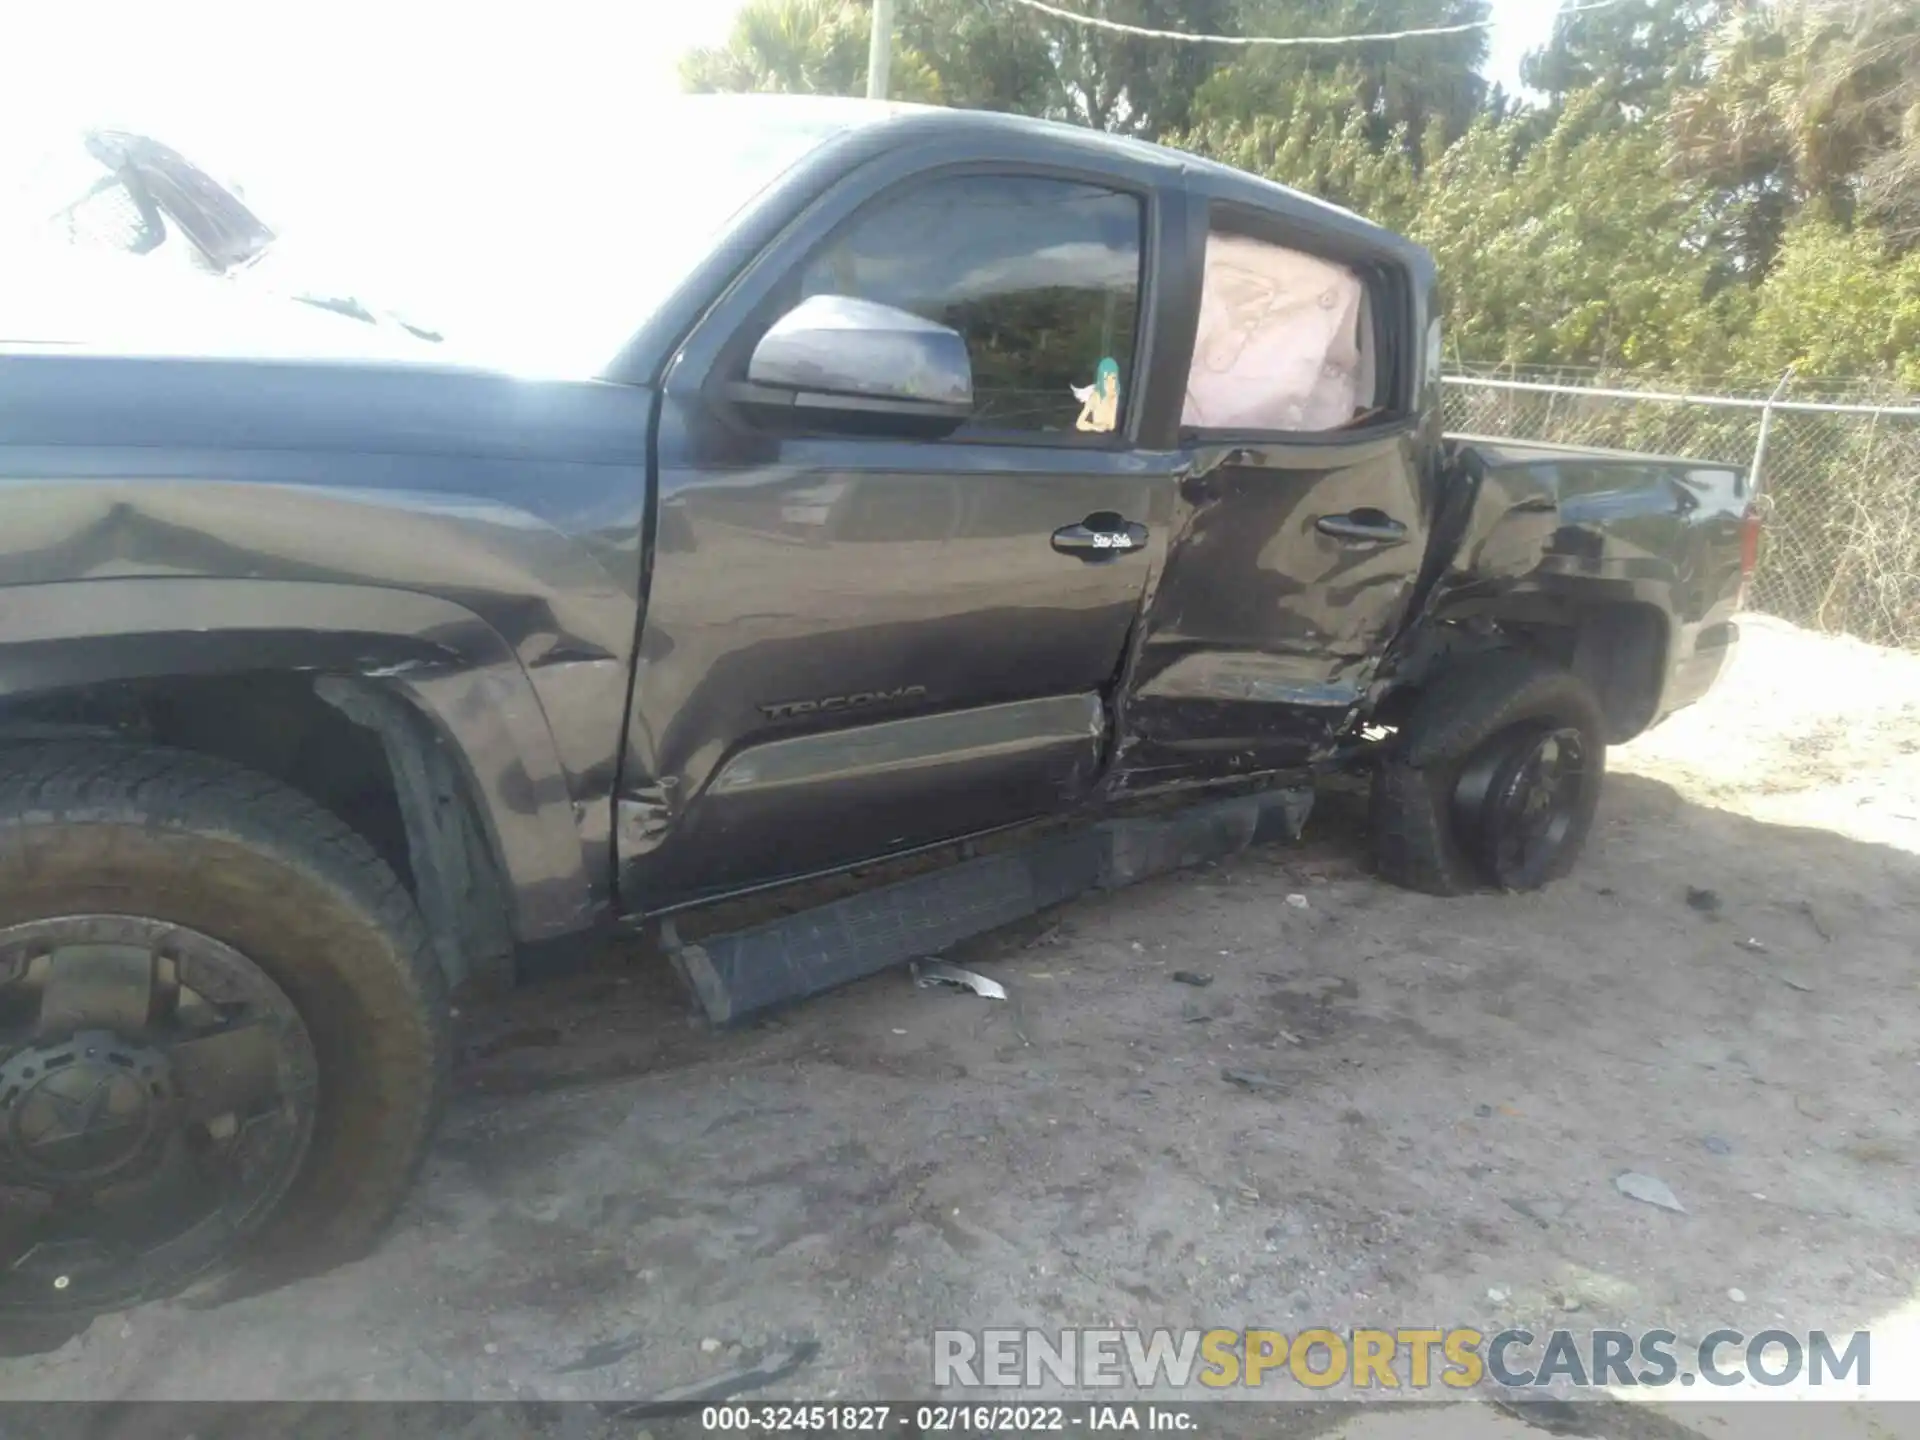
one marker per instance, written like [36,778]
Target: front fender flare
[440,658]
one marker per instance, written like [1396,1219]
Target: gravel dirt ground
[1437,1098]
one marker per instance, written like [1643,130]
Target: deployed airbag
[1281,345]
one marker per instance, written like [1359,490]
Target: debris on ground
[1714,1145]
[1584,1289]
[1298,902]
[1649,1189]
[598,1357]
[1805,907]
[1446,1004]
[1544,1212]
[530,1037]
[774,1366]
[709,1346]
[930,973]
[1705,901]
[1753,947]
[1737,1295]
[1794,984]
[1521,1207]
[1193,978]
[1256,1080]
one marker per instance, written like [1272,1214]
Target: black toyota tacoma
[851,482]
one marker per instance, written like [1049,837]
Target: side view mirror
[862,365]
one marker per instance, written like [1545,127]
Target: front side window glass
[1041,277]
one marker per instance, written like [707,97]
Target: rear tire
[268,929]
[1492,781]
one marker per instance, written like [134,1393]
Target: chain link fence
[1841,480]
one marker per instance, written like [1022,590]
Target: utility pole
[879,49]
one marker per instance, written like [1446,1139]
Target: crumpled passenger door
[1289,570]
[1302,520]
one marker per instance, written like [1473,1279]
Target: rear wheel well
[1618,648]
[1621,653]
[350,747]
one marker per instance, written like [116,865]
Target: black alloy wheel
[157,1096]
[1518,801]
[1493,778]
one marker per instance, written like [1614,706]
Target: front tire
[1493,781]
[223,1035]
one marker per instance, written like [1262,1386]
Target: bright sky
[244,75]
[432,115]
[1521,25]
[227,79]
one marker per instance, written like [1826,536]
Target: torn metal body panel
[1258,644]
[469,542]
[895,488]
[1552,533]
[692,623]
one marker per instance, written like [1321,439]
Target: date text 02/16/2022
[940,1419]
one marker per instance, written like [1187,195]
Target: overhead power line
[1116,27]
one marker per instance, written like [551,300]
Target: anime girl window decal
[1100,401]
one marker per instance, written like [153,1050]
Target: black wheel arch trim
[441,662]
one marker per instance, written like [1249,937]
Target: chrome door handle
[1369,527]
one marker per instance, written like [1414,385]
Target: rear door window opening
[1285,341]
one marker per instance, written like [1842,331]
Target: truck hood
[149,195]
[83,299]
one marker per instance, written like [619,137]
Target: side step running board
[739,975]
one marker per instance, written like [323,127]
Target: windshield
[502,248]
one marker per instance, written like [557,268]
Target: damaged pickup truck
[880,480]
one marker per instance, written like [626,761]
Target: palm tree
[1864,87]
[1812,100]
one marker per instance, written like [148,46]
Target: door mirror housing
[854,364]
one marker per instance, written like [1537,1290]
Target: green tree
[977,54]
[1320,143]
[1130,84]
[1730,135]
[988,57]
[1575,250]
[808,47]
[1838,304]
[1639,51]
[1578,249]
[1715,184]
[1808,102]
[1400,89]
[1869,85]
